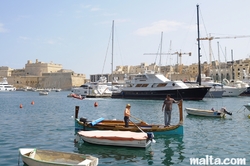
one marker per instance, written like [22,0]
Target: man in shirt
[167,104]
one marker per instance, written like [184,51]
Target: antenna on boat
[199,62]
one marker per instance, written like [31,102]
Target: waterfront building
[42,75]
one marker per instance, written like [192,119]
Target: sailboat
[100,89]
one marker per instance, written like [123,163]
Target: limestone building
[42,75]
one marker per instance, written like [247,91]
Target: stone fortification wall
[5,71]
[38,68]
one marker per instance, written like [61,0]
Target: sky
[78,34]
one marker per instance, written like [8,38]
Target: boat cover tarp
[96,121]
[114,135]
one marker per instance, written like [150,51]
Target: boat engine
[150,136]
[84,120]
[224,109]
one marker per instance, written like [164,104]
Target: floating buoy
[21,106]
[32,103]
[95,104]
[248,116]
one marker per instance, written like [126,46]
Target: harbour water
[49,124]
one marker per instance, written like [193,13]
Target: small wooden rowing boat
[37,157]
[209,113]
[102,124]
[117,138]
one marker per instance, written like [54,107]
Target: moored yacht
[234,88]
[157,86]
[4,85]
[93,89]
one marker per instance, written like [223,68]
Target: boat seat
[37,157]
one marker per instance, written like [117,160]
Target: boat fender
[150,135]
[94,122]
[82,119]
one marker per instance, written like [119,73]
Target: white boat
[216,90]
[247,106]
[157,86]
[209,113]
[37,157]
[94,89]
[43,93]
[4,86]
[229,90]
[117,138]
[234,87]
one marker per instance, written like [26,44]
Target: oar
[137,119]
[141,130]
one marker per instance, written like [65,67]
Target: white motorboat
[157,86]
[5,86]
[43,93]
[234,88]
[94,89]
[209,113]
[229,90]
[37,157]
[117,138]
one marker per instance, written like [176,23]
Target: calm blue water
[49,124]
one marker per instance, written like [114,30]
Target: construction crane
[210,38]
[179,55]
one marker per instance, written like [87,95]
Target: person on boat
[167,104]
[127,114]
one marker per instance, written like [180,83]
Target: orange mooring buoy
[32,103]
[95,104]
[21,106]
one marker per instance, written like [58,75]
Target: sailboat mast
[161,50]
[112,51]
[199,63]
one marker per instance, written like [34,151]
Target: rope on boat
[240,109]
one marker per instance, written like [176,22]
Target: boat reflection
[116,155]
[173,150]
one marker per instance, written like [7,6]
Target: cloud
[2,29]
[95,9]
[51,42]
[24,38]
[58,40]
[160,26]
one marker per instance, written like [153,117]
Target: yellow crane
[179,55]
[210,38]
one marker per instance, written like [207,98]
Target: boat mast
[199,63]
[232,65]
[160,51]
[112,51]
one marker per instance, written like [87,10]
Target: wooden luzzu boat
[119,125]
[38,157]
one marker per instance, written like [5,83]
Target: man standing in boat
[127,114]
[167,104]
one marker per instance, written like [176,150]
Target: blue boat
[119,125]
